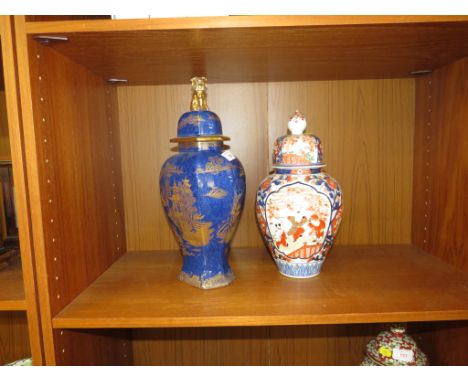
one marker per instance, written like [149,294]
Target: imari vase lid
[395,348]
[199,124]
[297,149]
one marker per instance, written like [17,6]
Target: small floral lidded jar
[394,348]
[299,207]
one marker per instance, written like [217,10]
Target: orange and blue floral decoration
[202,192]
[299,207]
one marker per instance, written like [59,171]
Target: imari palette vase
[394,348]
[299,207]
[202,191]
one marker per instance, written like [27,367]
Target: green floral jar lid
[21,362]
[394,348]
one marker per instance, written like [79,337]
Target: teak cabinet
[387,95]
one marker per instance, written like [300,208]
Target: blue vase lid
[199,124]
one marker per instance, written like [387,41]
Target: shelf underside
[358,284]
[11,288]
[257,49]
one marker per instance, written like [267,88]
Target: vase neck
[201,146]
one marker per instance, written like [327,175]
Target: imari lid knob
[395,348]
[297,149]
[199,124]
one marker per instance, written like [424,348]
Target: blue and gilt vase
[299,207]
[202,191]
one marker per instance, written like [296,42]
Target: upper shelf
[358,284]
[260,48]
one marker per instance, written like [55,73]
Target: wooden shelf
[358,284]
[11,288]
[259,48]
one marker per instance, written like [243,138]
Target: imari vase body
[202,192]
[299,207]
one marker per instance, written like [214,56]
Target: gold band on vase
[212,138]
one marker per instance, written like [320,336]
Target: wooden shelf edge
[151,323]
[123,296]
[225,22]
[13,305]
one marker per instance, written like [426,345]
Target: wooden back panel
[366,127]
[93,347]
[444,343]
[260,346]
[14,339]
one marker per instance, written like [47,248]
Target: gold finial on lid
[199,94]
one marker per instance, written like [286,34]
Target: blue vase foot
[218,281]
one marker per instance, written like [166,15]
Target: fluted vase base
[299,270]
[218,281]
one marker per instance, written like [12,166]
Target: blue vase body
[203,191]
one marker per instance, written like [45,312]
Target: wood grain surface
[4,139]
[444,343]
[93,347]
[382,284]
[147,119]
[176,23]
[441,164]
[23,216]
[14,339]
[318,345]
[2,81]
[440,181]
[75,164]
[247,49]
[73,177]
[78,174]
[286,345]
[367,130]
[202,346]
